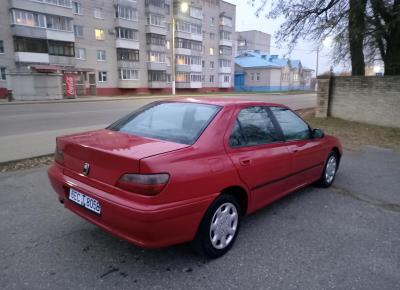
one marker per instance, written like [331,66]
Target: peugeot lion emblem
[86,168]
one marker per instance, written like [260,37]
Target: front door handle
[245,162]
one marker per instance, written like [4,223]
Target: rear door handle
[245,162]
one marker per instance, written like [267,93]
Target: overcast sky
[246,20]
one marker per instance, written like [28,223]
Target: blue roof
[254,59]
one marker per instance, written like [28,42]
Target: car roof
[225,102]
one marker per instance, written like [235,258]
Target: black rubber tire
[202,243]
[322,182]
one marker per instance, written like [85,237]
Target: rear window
[170,121]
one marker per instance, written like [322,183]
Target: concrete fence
[372,100]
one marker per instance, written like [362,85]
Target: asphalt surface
[345,237]
[29,130]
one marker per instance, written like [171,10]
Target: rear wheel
[330,169]
[219,227]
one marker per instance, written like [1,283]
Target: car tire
[330,169]
[219,227]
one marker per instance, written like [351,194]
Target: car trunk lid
[110,154]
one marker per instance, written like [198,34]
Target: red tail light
[146,184]
[59,155]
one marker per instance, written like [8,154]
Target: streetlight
[183,7]
[327,42]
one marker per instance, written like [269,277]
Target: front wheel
[219,227]
[330,169]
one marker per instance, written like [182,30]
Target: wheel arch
[241,195]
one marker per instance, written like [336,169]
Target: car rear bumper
[148,226]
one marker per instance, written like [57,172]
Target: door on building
[92,84]
[239,82]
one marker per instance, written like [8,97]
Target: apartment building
[252,40]
[120,46]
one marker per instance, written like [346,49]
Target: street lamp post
[183,7]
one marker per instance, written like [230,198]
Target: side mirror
[318,133]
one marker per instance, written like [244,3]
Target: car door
[307,152]
[255,145]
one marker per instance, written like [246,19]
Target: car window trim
[270,115]
[280,128]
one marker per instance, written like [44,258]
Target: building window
[76,6]
[225,35]
[125,12]
[225,50]
[252,76]
[212,36]
[156,56]
[102,76]
[2,73]
[211,51]
[157,76]
[188,27]
[28,18]
[167,44]
[127,54]
[226,21]
[188,60]
[99,34]
[35,45]
[78,30]
[81,53]
[98,13]
[155,39]
[258,77]
[156,3]
[225,63]
[101,55]
[1,46]
[212,21]
[227,79]
[126,33]
[154,19]
[58,23]
[128,74]
[61,48]
[196,12]
[211,79]
[211,64]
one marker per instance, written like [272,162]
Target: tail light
[145,184]
[59,155]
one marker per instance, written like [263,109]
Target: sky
[305,51]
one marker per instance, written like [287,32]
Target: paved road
[28,130]
[346,237]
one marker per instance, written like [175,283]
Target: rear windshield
[170,121]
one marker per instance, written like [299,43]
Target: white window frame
[79,55]
[102,77]
[101,55]
[98,13]
[77,8]
[128,74]
[3,72]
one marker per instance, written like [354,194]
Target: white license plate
[85,201]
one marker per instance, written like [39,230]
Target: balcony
[128,84]
[128,64]
[188,85]
[183,51]
[162,30]
[131,24]
[32,57]
[62,60]
[60,35]
[196,68]
[183,68]
[127,43]
[42,7]
[157,84]
[155,9]
[156,47]
[225,42]
[156,65]
[131,3]
[224,85]
[43,33]
[225,70]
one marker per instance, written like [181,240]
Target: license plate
[85,201]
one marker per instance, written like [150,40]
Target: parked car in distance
[189,169]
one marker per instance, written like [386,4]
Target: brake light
[145,184]
[59,155]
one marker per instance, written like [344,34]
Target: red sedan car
[190,169]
